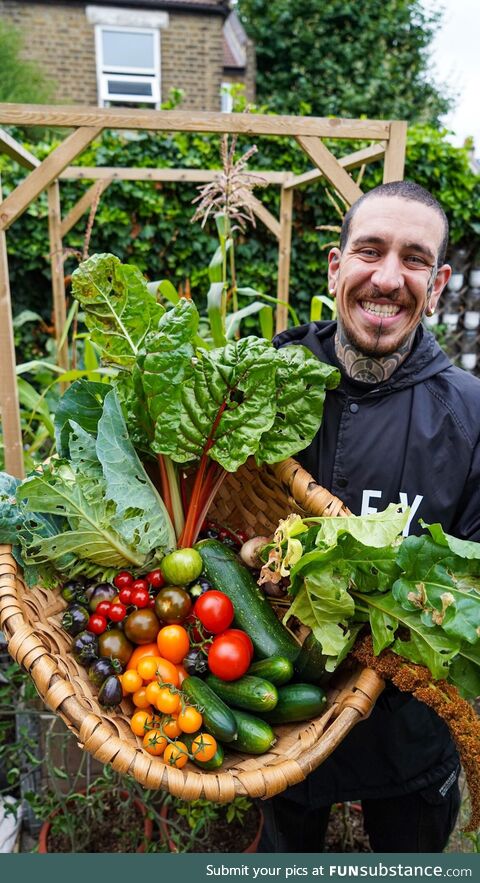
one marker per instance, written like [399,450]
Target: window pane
[126,49]
[126,87]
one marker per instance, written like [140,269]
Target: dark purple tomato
[172,604]
[141,626]
[115,645]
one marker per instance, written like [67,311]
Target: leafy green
[119,308]
[82,402]
[140,513]
[301,381]
[420,595]
[243,398]
[95,512]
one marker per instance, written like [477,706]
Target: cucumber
[249,692]
[277,669]
[254,736]
[297,702]
[217,717]
[253,612]
[214,763]
[310,662]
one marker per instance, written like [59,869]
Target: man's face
[387,274]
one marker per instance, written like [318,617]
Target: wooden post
[9,405]
[43,175]
[284,251]
[56,264]
[337,176]
[394,163]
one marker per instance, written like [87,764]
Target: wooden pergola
[388,141]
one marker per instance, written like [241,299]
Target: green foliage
[149,224]
[345,58]
[21,81]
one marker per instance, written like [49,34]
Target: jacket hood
[425,361]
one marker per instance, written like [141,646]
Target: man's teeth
[380,309]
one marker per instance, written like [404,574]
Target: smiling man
[403,425]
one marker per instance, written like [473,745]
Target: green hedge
[149,224]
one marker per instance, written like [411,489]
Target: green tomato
[181,567]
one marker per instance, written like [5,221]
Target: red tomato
[228,658]
[125,595]
[155,579]
[123,579]
[242,636]
[140,584]
[117,612]
[103,608]
[214,610]
[140,596]
[97,624]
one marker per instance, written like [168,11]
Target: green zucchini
[253,612]
[254,736]
[217,717]
[214,763]
[310,662]
[277,669]
[297,702]
[249,692]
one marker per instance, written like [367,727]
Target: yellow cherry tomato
[176,754]
[189,719]
[154,742]
[140,721]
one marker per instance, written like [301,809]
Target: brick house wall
[60,39]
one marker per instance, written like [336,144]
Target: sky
[456,61]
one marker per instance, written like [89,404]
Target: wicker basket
[253,499]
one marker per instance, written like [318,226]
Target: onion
[249,553]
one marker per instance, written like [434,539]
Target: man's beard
[376,350]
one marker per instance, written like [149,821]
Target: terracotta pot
[139,806]
[252,847]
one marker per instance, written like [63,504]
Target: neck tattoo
[369,369]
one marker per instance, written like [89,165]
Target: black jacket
[414,438]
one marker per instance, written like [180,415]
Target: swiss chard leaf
[224,403]
[301,381]
[119,309]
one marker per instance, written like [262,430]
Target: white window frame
[134,74]
[226,98]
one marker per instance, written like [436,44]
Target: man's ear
[441,279]
[334,256]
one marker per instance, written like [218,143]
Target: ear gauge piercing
[331,291]
[430,312]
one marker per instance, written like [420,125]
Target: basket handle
[352,705]
[307,494]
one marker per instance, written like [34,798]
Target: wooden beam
[17,151]
[82,206]
[394,165]
[56,264]
[9,405]
[191,121]
[331,168]
[200,176]
[284,252]
[351,161]
[263,214]
[20,198]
